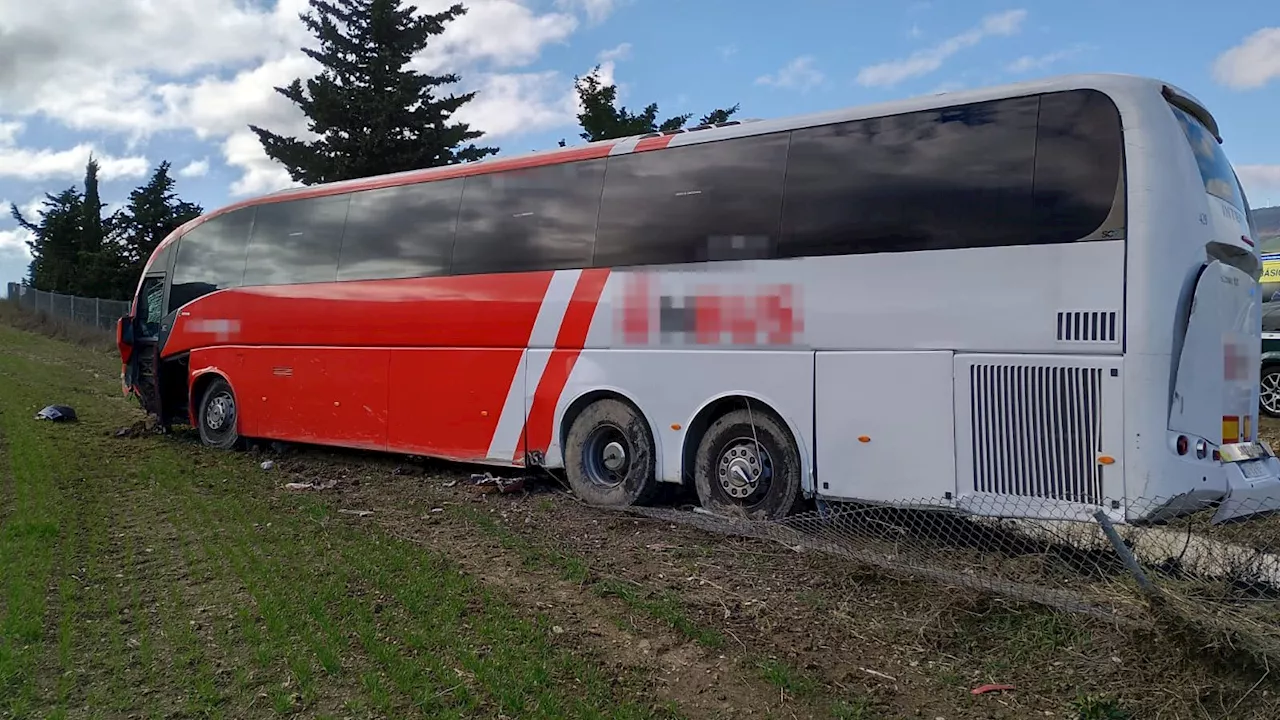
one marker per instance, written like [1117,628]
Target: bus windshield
[1215,170]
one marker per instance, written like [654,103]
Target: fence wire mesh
[1219,582]
[92,312]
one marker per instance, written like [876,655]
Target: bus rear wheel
[218,418]
[609,455]
[748,466]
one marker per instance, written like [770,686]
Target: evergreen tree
[55,240]
[97,262]
[371,112]
[153,211]
[602,119]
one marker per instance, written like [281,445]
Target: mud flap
[1253,490]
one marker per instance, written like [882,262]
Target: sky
[137,82]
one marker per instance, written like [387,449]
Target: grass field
[144,576]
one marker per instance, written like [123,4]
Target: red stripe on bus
[653,143]
[539,426]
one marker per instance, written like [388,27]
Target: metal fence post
[73,308]
[97,317]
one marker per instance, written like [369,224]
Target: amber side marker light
[1106,460]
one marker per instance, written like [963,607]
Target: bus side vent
[1037,431]
[1087,326]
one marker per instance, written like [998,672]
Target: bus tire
[610,456]
[219,421]
[747,466]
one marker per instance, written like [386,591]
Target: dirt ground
[746,627]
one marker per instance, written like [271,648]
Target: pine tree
[371,112]
[601,119]
[55,240]
[153,211]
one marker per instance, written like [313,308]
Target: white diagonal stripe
[506,437]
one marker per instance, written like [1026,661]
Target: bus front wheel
[218,417]
[609,455]
[748,466]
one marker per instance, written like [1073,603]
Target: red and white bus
[1043,293]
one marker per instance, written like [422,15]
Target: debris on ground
[313,485]
[357,513]
[983,689]
[138,429]
[268,464]
[487,483]
[408,470]
[57,413]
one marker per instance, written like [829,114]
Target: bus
[1037,300]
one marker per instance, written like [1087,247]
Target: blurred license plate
[1239,452]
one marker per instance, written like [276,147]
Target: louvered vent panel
[1037,431]
[1087,326]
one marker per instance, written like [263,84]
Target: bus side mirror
[124,337]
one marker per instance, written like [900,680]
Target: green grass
[149,577]
[663,606]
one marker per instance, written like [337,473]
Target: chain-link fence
[1220,584]
[93,312]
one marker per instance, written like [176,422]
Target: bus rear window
[1215,170]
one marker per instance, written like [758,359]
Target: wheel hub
[221,410]
[740,471]
[613,456]
[606,456]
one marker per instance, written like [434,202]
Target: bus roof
[1106,82]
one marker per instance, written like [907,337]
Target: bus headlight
[1202,449]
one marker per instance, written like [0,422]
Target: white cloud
[1251,64]
[595,10]
[259,174]
[621,52]
[115,68]
[1036,63]
[13,242]
[1260,182]
[47,164]
[727,51]
[799,74]
[508,104]
[9,132]
[195,169]
[923,62]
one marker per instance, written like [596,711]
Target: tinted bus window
[296,241]
[1215,170]
[1079,153]
[160,262]
[712,201]
[400,231]
[949,178]
[536,219]
[211,257]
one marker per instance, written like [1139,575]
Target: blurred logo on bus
[685,312]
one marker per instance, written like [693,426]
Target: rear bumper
[1253,490]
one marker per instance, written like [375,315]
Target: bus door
[142,356]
